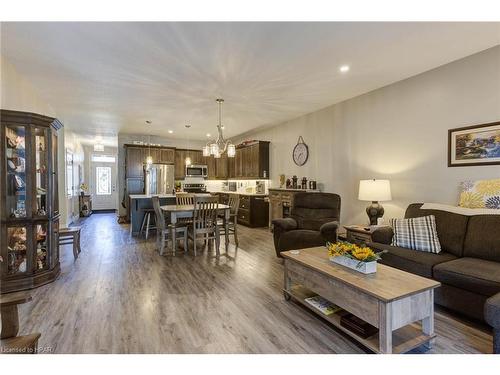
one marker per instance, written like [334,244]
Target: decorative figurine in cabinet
[29,210]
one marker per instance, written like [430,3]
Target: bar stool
[146,221]
[71,236]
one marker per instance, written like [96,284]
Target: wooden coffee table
[391,300]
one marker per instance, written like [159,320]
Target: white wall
[397,132]
[17,94]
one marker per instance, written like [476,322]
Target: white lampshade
[217,154]
[214,148]
[188,161]
[374,190]
[231,150]
[206,151]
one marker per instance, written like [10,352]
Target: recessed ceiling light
[170,131]
[344,68]
[208,135]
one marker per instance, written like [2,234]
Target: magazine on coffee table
[323,305]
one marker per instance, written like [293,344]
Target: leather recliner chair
[314,220]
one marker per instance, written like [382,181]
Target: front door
[103,182]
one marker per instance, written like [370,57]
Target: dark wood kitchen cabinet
[253,210]
[196,157]
[135,158]
[251,161]
[167,156]
[221,167]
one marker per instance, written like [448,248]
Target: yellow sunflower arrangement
[349,250]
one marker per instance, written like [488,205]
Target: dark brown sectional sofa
[468,266]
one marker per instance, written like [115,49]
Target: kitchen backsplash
[242,186]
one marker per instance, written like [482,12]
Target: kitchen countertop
[296,190]
[237,192]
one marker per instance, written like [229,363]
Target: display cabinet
[29,210]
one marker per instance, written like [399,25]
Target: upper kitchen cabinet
[251,161]
[167,156]
[221,167]
[196,157]
[134,161]
[136,155]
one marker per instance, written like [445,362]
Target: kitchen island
[141,202]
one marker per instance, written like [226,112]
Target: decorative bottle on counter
[304,183]
[294,179]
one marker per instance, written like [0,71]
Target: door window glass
[103,180]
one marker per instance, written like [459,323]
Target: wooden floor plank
[120,296]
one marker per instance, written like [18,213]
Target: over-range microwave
[196,171]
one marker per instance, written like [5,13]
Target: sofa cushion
[300,239]
[483,237]
[417,233]
[414,261]
[472,274]
[450,227]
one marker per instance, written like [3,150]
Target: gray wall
[398,132]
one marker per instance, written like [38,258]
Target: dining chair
[234,204]
[204,225]
[184,199]
[163,230]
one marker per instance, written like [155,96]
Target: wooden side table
[357,234]
[10,342]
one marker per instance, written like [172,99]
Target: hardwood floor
[121,296]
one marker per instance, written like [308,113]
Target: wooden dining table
[175,212]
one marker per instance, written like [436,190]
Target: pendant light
[149,158]
[187,161]
[220,145]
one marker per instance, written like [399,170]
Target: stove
[195,188]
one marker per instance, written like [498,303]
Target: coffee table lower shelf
[404,339]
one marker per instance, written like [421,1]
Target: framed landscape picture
[474,145]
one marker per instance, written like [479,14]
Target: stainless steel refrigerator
[159,179]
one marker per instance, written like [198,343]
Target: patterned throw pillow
[417,234]
[480,194]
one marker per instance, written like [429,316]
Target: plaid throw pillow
[417,234]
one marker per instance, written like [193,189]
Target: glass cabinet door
[41,182]
[42,243]
[55,242]
[17,247]
[15,148]
[54,191]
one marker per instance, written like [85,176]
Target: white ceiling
[105,78]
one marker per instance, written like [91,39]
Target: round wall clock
[300,152]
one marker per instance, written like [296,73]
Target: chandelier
[220,145]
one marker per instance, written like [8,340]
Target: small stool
[71,236]
[146,221]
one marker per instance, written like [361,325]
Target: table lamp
[374,191]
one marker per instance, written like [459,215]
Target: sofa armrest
[329,231]
[382,235]
[284,225]
[281,226]
[492,311]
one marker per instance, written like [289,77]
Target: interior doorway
[103,182]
